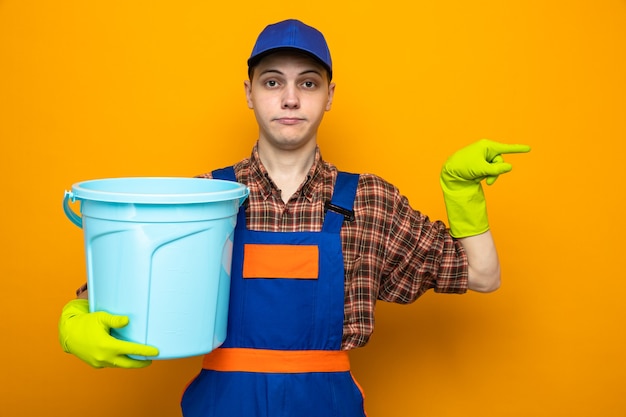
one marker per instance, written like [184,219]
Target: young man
[336,242]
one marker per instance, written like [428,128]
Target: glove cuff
[467,209]
[75,307]
[72,309]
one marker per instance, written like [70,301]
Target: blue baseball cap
[291,34]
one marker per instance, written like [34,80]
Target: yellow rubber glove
[87,335]
[460,180]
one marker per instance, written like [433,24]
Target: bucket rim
[234,191]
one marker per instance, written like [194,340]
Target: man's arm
[484,265]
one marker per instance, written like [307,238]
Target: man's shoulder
[369,180]
[241,167]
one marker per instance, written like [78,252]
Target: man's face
[289,93]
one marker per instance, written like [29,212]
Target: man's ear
[248,87]
[331,94]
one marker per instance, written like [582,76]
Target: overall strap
[339,208]
[227,173]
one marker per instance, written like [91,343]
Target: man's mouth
[289,120]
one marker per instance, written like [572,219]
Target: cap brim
[254,60]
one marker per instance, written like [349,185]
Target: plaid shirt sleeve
[394,253]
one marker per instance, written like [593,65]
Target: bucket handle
[74,218]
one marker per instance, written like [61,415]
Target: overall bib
[281,356]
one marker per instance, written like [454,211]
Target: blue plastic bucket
[159,250]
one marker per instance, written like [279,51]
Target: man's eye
[271,83]
[309,84]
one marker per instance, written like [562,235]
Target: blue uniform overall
[281,356]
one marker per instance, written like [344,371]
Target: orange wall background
[122,88]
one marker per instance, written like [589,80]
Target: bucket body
[159,251]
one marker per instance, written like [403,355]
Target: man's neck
[287,168]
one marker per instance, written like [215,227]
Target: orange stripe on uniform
[276,361]
[281,261]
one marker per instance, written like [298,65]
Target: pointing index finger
[502,148]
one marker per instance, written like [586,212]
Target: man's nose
[290,98]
